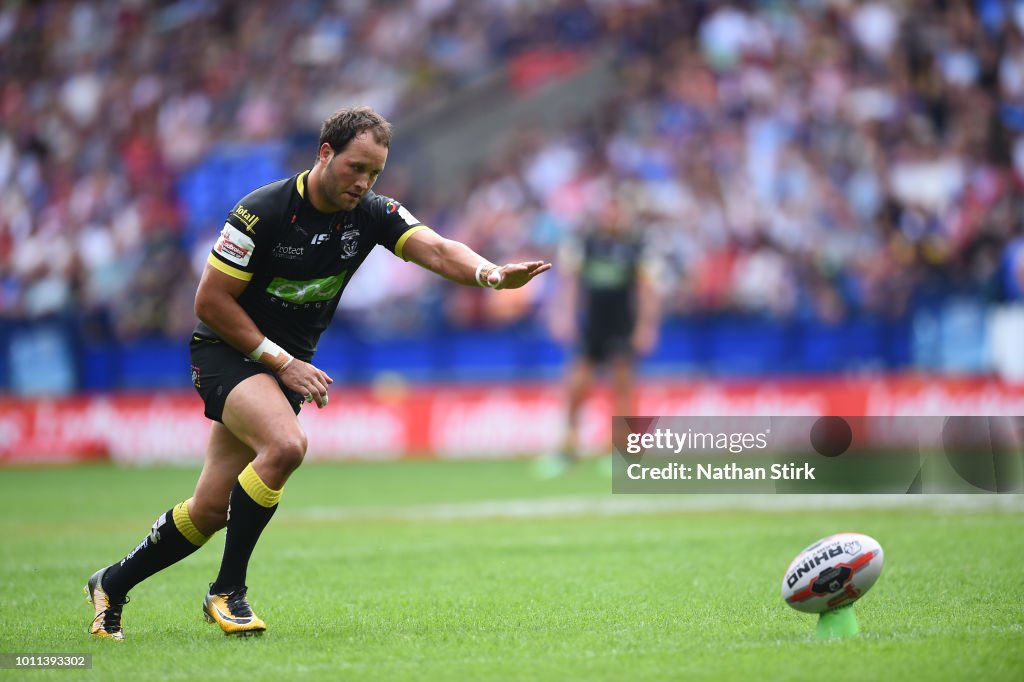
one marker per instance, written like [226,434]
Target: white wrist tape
[486,282]
[266,346]
[279,357]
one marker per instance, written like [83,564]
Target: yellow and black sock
[251,506]
[172,538]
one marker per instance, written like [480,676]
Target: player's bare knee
[287,452]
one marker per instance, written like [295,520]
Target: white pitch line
[628,505]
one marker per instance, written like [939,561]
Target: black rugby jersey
[608,268]
[298,260]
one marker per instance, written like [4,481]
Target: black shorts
[217,368]
[601,343]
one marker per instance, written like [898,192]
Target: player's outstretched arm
[458,263]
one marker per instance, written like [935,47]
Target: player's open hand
[515,275]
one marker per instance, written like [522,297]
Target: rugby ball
[834,571]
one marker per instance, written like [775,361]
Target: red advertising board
[461,421]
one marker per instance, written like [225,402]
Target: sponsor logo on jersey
[308,291]
[606,273]
[246,217]
[409,218]
[349,244]
[288,252]
[234,245]
[319,239]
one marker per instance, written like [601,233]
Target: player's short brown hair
[344,125]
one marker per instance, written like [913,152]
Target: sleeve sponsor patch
[234,245]
[409,218]
[246,217]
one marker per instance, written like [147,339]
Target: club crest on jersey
[349,244]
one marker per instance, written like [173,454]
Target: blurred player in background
[269,289]
[609,311]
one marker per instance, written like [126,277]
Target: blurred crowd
[813,159]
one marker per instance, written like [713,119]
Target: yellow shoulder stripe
[227,269]
[400,244]
[300,183]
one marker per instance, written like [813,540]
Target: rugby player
[609,314]
[269,289]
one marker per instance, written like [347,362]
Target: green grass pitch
[475,571]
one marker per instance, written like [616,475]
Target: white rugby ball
[834,571]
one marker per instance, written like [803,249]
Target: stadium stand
[839,181]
